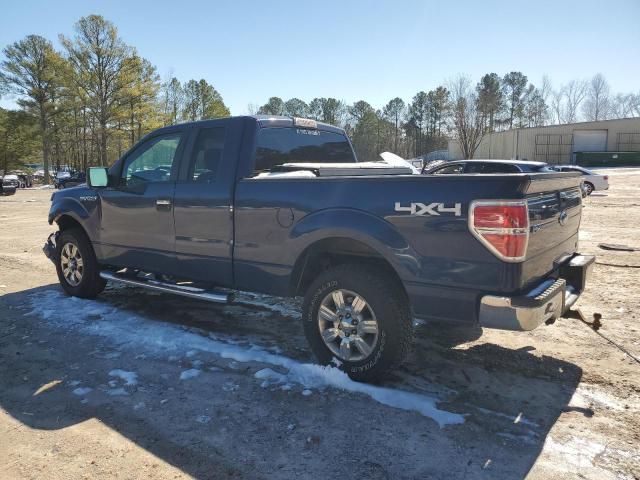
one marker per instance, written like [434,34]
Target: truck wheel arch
[333,251]
[67,221]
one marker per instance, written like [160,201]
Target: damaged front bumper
[546,302]
[50,247]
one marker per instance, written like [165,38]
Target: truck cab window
[152,161]
[276,146]
[449,169]
[207,155]
[480,167]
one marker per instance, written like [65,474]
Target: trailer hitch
[595,326]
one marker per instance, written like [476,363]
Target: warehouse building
[562,144]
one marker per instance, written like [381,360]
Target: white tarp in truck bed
[349,169]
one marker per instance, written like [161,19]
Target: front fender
[363,227]
[81,206]
[67,206]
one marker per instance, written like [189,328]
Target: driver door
[136,227]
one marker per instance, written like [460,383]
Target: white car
[592,180]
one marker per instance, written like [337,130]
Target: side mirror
[98,177]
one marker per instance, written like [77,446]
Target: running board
[207,295]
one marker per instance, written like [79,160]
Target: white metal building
[557,143]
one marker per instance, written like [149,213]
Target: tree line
[87,103]
[91,101]
[461,109]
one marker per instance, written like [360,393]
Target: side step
[208,295]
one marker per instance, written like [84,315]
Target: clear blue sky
[352,50]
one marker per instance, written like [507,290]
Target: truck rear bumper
[547,301]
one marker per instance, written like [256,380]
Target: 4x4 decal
[417,208]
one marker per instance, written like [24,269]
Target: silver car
[591,181]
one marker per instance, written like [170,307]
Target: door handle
[163,204]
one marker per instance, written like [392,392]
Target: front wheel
[359,319]
[76,265]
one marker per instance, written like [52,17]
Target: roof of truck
[263,121]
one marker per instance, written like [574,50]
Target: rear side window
[207,155]
[491,168]
[542,168]
[449,169]
[276,146]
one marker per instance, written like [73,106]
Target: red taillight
[606,177]
[502,226]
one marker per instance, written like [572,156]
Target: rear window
[276,146]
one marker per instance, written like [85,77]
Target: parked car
[73,180]
[25,179]
[591,180]
[10,184]
[281,206]
[488,166]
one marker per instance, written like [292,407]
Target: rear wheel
[76,265]
[588,188]
[357,318]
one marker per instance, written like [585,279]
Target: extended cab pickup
[279,206]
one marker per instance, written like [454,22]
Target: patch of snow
[586,395]
[519,438]
[74,383]
[576,452]
[117,392]
[191,373]
[81,391]
[517,419]
[204,419]
[230,387]
[306,392]
[130,378]
[139,406]
[284,306]
[128,330]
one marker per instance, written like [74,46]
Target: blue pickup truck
[281,206]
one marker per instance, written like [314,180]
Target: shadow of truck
[511,398]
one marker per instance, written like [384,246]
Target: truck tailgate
[555,210]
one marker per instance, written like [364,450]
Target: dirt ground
[143,385]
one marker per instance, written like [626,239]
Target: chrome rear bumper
[548,301]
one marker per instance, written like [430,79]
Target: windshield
[277,146]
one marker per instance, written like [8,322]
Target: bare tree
[557,105]
[546,93]
[625,105]
[467,119]
[574,93]
[252,108]
[597,105]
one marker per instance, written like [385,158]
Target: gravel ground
[142,385]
